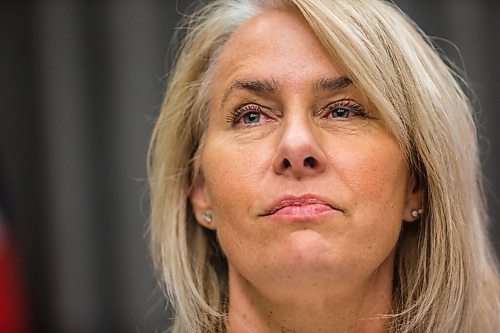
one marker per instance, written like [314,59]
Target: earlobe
[413,209]
[201,203]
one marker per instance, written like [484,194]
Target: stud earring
[416,212]
[207,216]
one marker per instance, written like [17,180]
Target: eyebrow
[260,87]
[268,87]
[332,84]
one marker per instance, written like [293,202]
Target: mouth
[300,207]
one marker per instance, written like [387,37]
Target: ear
[414,201]
[200,202]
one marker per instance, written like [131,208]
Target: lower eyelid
[353,107]
[328,112]
[235,116]
[238,119]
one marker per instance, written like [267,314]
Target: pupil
[341,113]
[251,117]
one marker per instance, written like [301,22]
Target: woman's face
[305,183]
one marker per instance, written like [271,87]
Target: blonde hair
[446,277]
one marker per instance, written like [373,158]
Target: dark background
[81,83]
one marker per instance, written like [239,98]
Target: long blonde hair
[446,277]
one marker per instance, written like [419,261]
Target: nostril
[310,162]
[286,163]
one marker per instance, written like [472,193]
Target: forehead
[277,45]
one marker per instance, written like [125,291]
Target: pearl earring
[416,212]
[207,216]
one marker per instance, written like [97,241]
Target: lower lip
[303,212]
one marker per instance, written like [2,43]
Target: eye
[249,115]
[344,110]
[340,113]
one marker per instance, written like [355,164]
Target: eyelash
[349,104]
[239,112]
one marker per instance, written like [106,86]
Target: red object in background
[13,318]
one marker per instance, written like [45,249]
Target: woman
[315,169]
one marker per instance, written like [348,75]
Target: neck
[340,307]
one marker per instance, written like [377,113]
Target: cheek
[376,178]
[225,172]
[233,176]
[373,171]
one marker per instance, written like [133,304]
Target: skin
[324,261]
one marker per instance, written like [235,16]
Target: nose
[299,154]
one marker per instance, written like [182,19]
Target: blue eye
[340,113]
[344,110]
[251,117]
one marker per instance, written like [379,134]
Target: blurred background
[81,83]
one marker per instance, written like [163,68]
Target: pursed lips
[296,206]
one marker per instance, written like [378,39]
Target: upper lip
[298,200]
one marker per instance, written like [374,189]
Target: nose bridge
[298,133]
[299,151]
